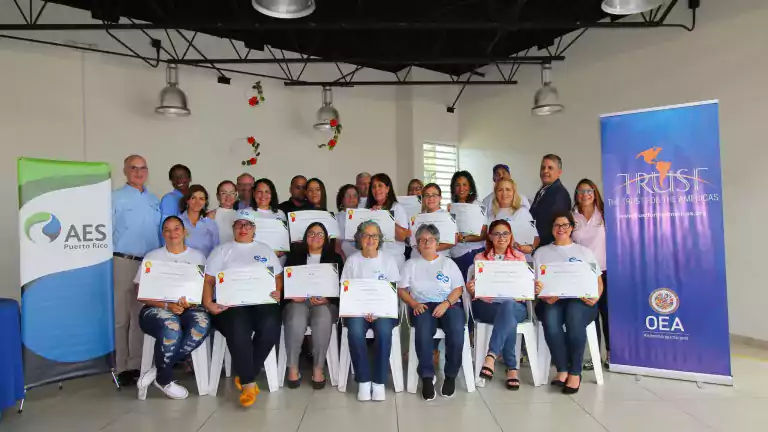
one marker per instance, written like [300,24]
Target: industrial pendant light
[285,8]
[629,7]
[545,101]
[173,101]
[327,112]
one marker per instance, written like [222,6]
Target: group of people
[435,277]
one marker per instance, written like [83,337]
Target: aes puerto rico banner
[65,234]
[665,243]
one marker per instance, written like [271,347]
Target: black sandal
[294,384]
[486,372]
[318,385]
[513,384]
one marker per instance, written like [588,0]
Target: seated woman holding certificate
[370,263]
[251,330]
[320,313]
[464,191]
[431,196]
[381,196]
[178,327]
[504,314]
[567,347]
[507,205]
[432,286]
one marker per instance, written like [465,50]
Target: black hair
[391,197]
[181,167]
[340,195]
[563,214]
[472,197]
[323,196]
[298,176]
[303,248]
[191,191]
[274,201]
[554,158]
[176,218]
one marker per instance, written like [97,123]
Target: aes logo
[44,227]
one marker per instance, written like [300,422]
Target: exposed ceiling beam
[380,61]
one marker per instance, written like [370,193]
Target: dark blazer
[297,258]
[554,199]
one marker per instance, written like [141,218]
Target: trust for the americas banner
[665,243]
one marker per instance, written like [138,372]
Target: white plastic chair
[466,354]
[199,362]
[545,357]
[525,330]
[331,357]
[221,357]
[395,359]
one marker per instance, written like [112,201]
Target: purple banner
[665,242]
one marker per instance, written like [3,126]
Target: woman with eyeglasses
[415,187]
[251,331]
[430,203]
[370,263]
[224,215]
[381,196]
[346,198]
[266,202]
[319,313]
[507,205]
[589,231]
[464,190]
[503,314]
[202,233]
[566,345]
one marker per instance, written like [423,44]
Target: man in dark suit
[552,198]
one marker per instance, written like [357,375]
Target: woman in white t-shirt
[346,198]
[566,345]
[178,327]
[251,331]
[431,286]
[430,203]
[266,202]
[226,192]
[381,196]
[464,190]
[370,263]
[507,205]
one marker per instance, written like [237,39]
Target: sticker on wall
[331,144]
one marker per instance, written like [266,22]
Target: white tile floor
[622,404]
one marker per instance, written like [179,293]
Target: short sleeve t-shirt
[383,267]
[313,259]
[347,246]
[461,249]
[233,255]
[415,249]
[591,233]
[431,281]
[189,256]
[269,214]
[573,252]
[401,219]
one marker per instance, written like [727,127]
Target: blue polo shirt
[169,205]
[135,221]
[204,236]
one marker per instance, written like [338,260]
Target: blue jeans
[504,316]
[566,345]
[358,348]
[175,336]
[425,326]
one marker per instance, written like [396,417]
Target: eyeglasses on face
[432,195]
[374,237]
[135,168]
[501,234]
[563,225]
[313,234]
[228,193]
[427,241]
[415,188]
[244,225]
[585,191]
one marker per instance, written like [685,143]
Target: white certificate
[524,231]
[242,286]
[170,281]
[312,280]
[360,297]
[411,204]
[504,279]
[274,233]
[298,222]
[442,220]
[385,219]
[470,218]
[567,280]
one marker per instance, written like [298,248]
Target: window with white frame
[441,161]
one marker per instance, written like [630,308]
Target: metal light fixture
[173,101]
[629,7]
[285,8]
[327,112]
[545,101]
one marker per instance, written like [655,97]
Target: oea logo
[665,302]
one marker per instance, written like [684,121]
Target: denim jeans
[504,316]
[465,261]
[358,347]
[176,336]
[425,325]
[566,345]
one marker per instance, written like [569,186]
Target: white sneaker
[379,393]
[364,391]
[173,390]
[147,378]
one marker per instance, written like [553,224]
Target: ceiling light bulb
[327,112]
[629,7]
[286,9]
[173,101]
[546,100]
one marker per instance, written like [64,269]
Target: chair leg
[545,357]
[413,362]
[528,332]
[270,368]
[332,357]
[519,349]
[227,361]
[282,358]
[147,359]
[482,335]
[396,360]
[200,363]
[344,361]
[466,362]
[594,351]
[217,361]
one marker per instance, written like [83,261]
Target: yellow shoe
[248,396]
[238,386]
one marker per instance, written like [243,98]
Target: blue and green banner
[65,234]
[665,242]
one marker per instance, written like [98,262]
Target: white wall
[611,71]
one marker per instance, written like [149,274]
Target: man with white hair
[363,184]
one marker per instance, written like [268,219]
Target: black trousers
[602,306]
[251,332]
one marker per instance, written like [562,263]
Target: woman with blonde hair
[507,205]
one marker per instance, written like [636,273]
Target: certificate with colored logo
[504,279]
[443,221]
[470,218]
[385,219]
[274,233]
[170,281]
[298,222]
[243,286]
[362,297]
[567,280]
[411,204]
[312,280]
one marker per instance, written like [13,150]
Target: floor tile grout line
[488,407]
[304,414]
[589,414]
[209,417]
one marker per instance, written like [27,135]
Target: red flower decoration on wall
[255,145]
[336,127]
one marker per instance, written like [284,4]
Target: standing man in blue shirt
[135,221]
[551,199]
[180,177]
[245,184]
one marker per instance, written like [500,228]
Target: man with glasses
[245,184]
[551,199]
[135,221]
[180,177]
[297,201]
